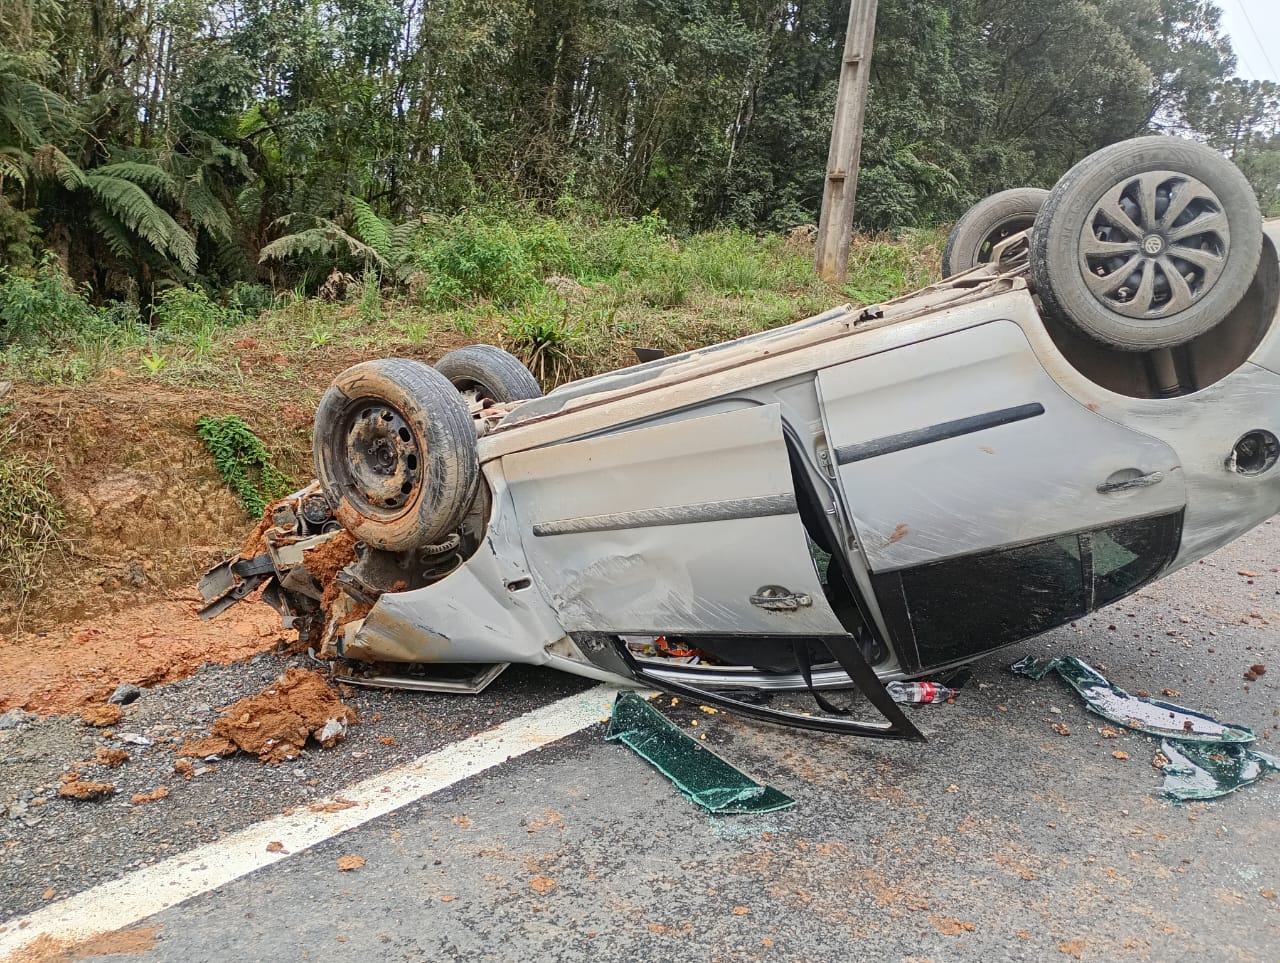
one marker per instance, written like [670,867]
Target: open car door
[685,528]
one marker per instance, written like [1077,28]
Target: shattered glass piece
[1196,771]
[1140,713]
[700,774]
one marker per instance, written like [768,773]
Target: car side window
[950,610]
[976,602]
[1128,555]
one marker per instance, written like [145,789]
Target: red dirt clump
[275,724]
[325,562]
[110,757]
[209,746]
[141,798]
[101,715]
[355,613]
[84,790]
[256,543]
[70,667]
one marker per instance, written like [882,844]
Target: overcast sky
[1254,26]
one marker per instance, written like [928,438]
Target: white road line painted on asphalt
[144,892]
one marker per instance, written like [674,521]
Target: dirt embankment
[146,512]
[146,515]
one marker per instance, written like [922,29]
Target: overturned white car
[870,494]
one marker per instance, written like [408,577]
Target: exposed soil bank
[145,508]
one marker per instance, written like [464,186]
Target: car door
[688,527]
[989,504]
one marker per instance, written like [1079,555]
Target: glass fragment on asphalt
[1206,758]
[1141,713]
[702,776]
[1198,771]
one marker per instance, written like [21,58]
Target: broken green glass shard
[1140,713]
[699,773]
[1198,771]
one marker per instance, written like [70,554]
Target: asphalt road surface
[998,839]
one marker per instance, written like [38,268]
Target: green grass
[31,519]
[881,270]
[570,297]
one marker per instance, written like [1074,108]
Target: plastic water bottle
[913,693]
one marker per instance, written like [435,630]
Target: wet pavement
[1019,831]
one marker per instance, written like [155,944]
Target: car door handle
[1123,481]
[775,598]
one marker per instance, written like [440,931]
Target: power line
[1258,40]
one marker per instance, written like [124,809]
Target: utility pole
[835,224]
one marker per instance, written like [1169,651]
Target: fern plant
[243,462]
[376,242]
[121,209]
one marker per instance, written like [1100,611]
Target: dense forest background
[153,142]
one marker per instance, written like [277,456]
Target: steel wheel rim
[1002,233]
[382,458]
[1154,245]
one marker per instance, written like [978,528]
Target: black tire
[490,372]
[395,452]
[1147,244]
[986,224]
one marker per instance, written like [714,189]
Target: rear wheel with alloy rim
[1147,244]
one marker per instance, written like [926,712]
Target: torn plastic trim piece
[895,725]
[1196,771]
[702,776]
[1140,713]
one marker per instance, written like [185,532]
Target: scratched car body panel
[867,494]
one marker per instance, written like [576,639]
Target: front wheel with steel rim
[1147,244]
[483,373]
[395,452]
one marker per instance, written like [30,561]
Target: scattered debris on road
[348,863]
[1138,712]
[113,758]
[542,885]
[142,798]
[1204,771]
[702,776]
[277,723]
[125,694]
[1200,757]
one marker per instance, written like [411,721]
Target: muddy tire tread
[446,433]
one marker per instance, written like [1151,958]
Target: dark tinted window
[962,606]
[978,602]
[1129,555]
